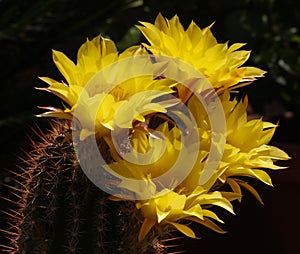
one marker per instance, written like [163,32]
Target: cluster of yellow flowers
[159,111]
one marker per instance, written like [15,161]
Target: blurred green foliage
[29,29]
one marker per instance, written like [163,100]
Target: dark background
[29,29]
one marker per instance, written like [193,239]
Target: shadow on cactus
[174,143]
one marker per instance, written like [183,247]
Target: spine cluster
[56,209]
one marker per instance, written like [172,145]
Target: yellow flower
[247,151]
[92,56]
[159,155]
[128,102]
[188,201]
[171,207]
[150,155]
[218,62]
[154,118]
[108,103]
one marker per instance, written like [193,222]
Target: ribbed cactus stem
[59,210]
[101,222]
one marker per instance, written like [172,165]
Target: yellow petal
[255,173]
[236,46]
[251,190]
[230,196]
[58,114]
[235,187]
[145,228]
[253,72]
[195,211]
[86,133]
[65,65]
[210,214]
[183,229]
[208,223]
[60,90]
[278,154]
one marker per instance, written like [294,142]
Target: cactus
[58,210]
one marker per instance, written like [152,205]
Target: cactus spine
[58,210]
